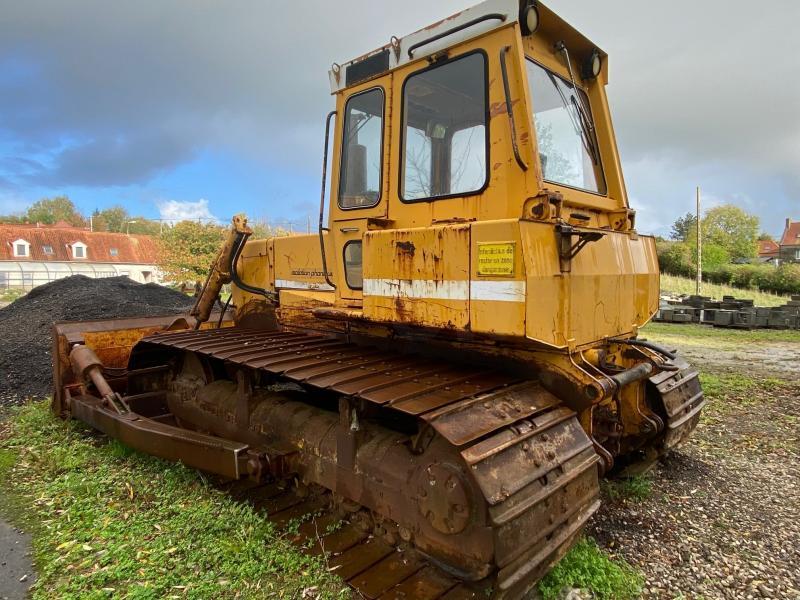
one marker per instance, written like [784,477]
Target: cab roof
[460,27]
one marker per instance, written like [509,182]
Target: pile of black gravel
[25,325]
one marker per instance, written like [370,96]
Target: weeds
[109,521]
[637,488]
[587,566]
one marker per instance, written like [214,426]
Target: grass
[586,566]
[687,333]
[636,488]
[684,285]
[107,521]
[11,294]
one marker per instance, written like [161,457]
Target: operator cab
[467,120]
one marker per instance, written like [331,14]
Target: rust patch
[496,166]
[406,247]
[497,108]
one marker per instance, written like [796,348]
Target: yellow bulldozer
[452,362]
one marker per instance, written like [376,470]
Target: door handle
[348,229]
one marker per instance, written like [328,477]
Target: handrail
[322,199]
[510,109]
[452,30]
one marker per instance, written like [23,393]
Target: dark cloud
[703,93]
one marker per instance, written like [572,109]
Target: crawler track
[496,483]
[372,560]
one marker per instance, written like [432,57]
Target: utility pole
[699,246]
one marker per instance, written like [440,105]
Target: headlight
[529,19]
[592,65]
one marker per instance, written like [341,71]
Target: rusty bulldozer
[453,360]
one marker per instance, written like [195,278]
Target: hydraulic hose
[646,344]
[238,245]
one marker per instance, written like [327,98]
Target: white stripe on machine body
[303,285]
[459,289]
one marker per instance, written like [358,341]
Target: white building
[31,255]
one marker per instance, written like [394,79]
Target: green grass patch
[675,284]
[11,294]
[107,521]
[682,333]
[735,386]
[586,566]
[636,488]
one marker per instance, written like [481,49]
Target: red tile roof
[132,249]
[768,248]
[791,235]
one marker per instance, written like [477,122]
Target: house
[34,254]
[768,250]
[790,242]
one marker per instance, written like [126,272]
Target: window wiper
[586,129]
[358,128]
[581,128]
[585,121]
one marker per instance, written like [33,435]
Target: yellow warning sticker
[496,258]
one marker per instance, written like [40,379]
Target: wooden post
[699,247]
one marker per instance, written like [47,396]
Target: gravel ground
[25,325]
[723,518]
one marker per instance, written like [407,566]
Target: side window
[362,147]
[353,272]
[445,130]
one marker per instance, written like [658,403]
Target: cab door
[360,180]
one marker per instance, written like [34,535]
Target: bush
[677,258]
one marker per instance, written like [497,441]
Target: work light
[529,19]
[592,65]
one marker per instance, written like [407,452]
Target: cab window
[565,132]
[362,147]
[445,130]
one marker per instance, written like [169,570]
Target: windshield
[565,132]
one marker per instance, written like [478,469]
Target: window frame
[487,123]
[48,250]
[25,244]
[342,152]
[344,263]
[113,251]
[591,115]
[84,250]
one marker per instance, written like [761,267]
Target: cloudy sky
[204,108]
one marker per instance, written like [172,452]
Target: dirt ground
[723,517]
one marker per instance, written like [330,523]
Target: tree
[714,257]
[142,226]
[188,249]
[53,210]
[110,219]
[765,237]
[683,227]
[117,220]
[733,229]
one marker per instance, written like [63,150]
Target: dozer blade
[152,436]
[112,341]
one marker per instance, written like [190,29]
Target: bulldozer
[451,363]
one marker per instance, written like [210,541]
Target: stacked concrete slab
[731,312]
